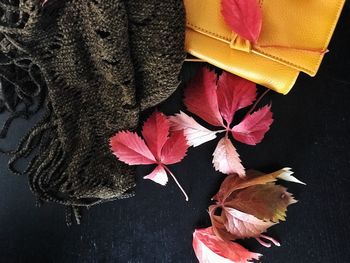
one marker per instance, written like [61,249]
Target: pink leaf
[195,133]
[244,17]
[201,99]
[175,148]
[242,225]
[234,93]
[253,128]
[226,158]
[158,175]
[131,149]
[155,132]
[160,148]
[211,249]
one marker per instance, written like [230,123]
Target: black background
[311,134]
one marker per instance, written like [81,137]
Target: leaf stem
[257,102]
[178,184]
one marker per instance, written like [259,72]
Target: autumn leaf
[129,148]
[248,207]
[158,175]
[174,149]
[244,17]
[234,183]
[234,93]
[267,202]
[243,225]
[254,126]
[160,147]
[216,100]
[195,133]
[155,131]
[226,158]
[233,224]
[211,249]
[201,98]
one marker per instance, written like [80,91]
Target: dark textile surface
[311,134]
[100,68]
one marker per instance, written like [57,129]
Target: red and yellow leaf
[233,183]
[248,207]
[267,202]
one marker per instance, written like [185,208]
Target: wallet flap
[254,67]
[295,33]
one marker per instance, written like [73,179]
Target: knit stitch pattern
[101,62]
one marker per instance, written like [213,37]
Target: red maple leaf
[216,101]
[158,146]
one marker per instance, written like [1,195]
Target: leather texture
[294,37]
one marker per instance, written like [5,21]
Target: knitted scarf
[93,64]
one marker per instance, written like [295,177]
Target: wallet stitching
[259,51]
[192,26]
[202,30]
[283,90]
[325,44]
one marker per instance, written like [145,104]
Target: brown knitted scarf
[101,62]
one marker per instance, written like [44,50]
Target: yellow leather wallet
[294,37]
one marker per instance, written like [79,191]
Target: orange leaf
[267,202]
[248,207]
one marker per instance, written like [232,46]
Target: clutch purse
[294,37]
